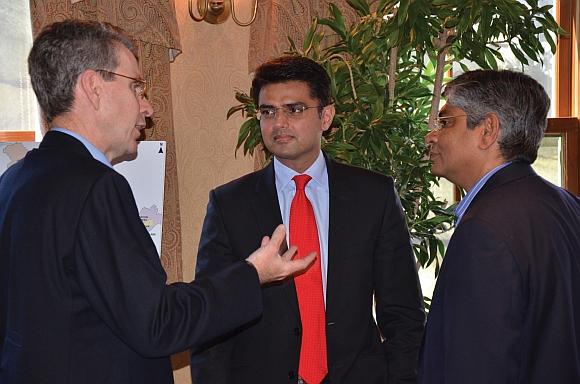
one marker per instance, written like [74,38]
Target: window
[560,152]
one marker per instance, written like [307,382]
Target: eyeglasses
[291,111]
[139,86]
[442,122]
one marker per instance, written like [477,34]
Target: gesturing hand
[273,267]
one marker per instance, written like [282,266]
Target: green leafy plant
[387,71]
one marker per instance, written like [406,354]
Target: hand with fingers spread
[273,267]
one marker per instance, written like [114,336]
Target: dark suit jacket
[369,253]
[83,296]
[506,307]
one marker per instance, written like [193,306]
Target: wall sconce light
[218,11]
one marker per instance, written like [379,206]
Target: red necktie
[304,234]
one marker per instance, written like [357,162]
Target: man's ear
[90,87]
[327,116]
[490,131]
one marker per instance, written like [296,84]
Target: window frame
[567,98]
[566,123]
[568,128]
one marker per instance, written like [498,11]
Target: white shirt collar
[317,171]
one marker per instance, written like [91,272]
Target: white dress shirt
[317,192]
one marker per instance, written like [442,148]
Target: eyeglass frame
[140,90]
[286,110]
[438,119]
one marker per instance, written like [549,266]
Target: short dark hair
[518,100]
[293,68]
[62,51]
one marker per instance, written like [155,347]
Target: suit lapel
[266,207]
[339,214]
[265,201]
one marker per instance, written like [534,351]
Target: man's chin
[126,157]
[436,171]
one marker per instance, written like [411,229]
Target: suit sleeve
[211,362]
[120,272]
[483,307]
[399,301]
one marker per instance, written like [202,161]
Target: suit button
[297,331]
[291,375]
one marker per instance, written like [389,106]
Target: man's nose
[280,118]
[431,137]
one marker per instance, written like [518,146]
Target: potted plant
[387,72]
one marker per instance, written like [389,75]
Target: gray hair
[520,103]
[64,50]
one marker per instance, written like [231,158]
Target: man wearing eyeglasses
[319,326]
[83,295]
[506,307]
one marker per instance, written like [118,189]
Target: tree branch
[442,44]
[349,71]
[392,74]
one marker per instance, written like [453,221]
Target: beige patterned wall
[279,19]
[214,61]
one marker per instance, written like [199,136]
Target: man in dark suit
[83,295]
[366,254]
[506,307]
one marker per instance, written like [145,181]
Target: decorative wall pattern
[154,26]
[203,78]
[213,63]
[277,20]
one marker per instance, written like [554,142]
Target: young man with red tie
[319,326]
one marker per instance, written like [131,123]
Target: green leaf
[490,58]
[377,110]
[433,249]
[402,12]
[308,38]
[518,54]
[234,109]
[339,20]
[361,6]
[550,40]
[530,52]
[244,133]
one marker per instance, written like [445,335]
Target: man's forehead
[292,91]
[448,109]
[126,59]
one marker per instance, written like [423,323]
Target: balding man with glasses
[319,326]
[83,295]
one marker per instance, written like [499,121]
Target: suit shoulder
[521,194]
[244,183]
[543,205]
[90,171]
[356,173]
[58,168]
